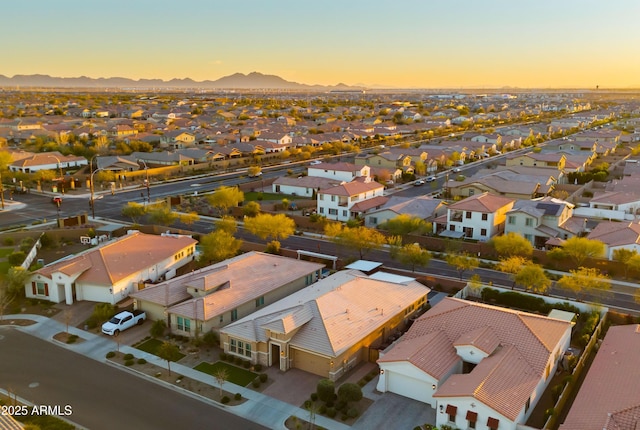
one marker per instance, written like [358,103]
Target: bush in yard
[329,403]
[349,392]
[16,258]
[238,396]
[344,417]
[331,412]
[258,367]
[263,377]
[325,389]
[111,354]
[158,328]
[256,383]
[307,404]
[223,356]
[225,400]
[8,241]
[129,363]
[246,364]
[322,410]
[341,406]
[101,313]
[314,396]
[352,413]
[128,356]
[211,338]
[142,361]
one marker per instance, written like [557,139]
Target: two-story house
[539,220]
[346,172]
[478,217]
[350,199]
[533,159]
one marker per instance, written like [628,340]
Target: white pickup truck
[123,321]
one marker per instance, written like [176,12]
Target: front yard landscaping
[152,345]
[235,375]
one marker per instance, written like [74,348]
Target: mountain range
[254,80]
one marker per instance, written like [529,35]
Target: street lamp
[92,201]
[146,170]
[60,170]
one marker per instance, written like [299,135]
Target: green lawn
[236,375]
[4,268]
[5,252]
[151,346]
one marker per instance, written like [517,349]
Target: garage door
[408,387]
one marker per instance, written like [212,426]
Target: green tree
[414,255]
[360,239]
[578,249]
[420,168]
[161,214]
[511,244]
[462,262]
[585,280]
[623,255]
[188,218]
[533,278]
[254,171]
[265,226]
[349,392]
[5,160]
[325,389]
[169,351]
[225,198]
[221,375]
[227,223]
[134,210]
[158,328]
[15,280]
[218,246]
[634,264]
[251,209]
[512,265]
[405,224]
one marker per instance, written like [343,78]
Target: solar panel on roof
[548,208]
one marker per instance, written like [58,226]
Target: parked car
[123,321]
[457,170]
[418,182]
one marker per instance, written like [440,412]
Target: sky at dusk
[408,44]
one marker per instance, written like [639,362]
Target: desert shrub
[111,354]
[101,313]
[352,413]
[223,356]
[325,389]
[258,367]
[225,400]
[341,405]
[314,396]
[129,363]
[142,361]
[211,338]
[237,396]
[307,404]
[16,258]
[322,410]
[158,328]
[128,356]
[349,392]
[8,241]
[256,383]
[263,377]
[246,364]
[72,339]
[331,412]
[344,417]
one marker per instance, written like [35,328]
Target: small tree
[413,255]
[533,278]
[512,265]
[361,239]
[623,255]
[265,226]
[170,352]
[585,280]
[222,376]
[579,249]
[227,223]
[134,210]
[67,315]
[160,214]
[349,392]
[405,224]
[512,244]
[224,198]
[158,328]
[251,209]
[325,389]
[462,262]
[217,246]
[189,218]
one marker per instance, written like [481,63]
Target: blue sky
[426,44]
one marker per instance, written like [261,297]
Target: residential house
[478,217]
[118,163]
[608,397]
[177,139]
[539,220]
[47,161]
[517,182]
[617,235]
[478,366]
[533,159]
[112,271]
[306,186]
[423,207]
[163,158]
[350,199]
[346,172]
[329,327]
[214,296]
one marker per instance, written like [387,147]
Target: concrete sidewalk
[259,408]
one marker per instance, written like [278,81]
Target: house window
[184,324]
[472,418]
[471,192]
[492,423]
[451,413]
[259,301]
[234,315]
[233,347]
[321,196]
[528,222]
[333,198]
[240,347]
[345,213]
[321,210]
[511,219]
[483,232]
[467,215]
[221,318]
[485,217]
[527,405]
[40,288]
[333,211]
[373,220]
[528,237]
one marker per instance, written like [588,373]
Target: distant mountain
[253,80]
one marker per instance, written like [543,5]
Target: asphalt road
[100,397]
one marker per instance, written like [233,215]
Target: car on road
[457,170]
[431,179]
[418,183]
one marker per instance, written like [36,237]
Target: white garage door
[408,387]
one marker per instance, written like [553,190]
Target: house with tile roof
[214,296]
[609,398]
[350,199]
[346,172]
[478,217]
[617,235]
[330,326]
[47,161]
[110,272]
[479,366]
[423,207]
[537,159]
[517,182]
[539,220]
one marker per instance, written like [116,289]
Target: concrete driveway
[391,411]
